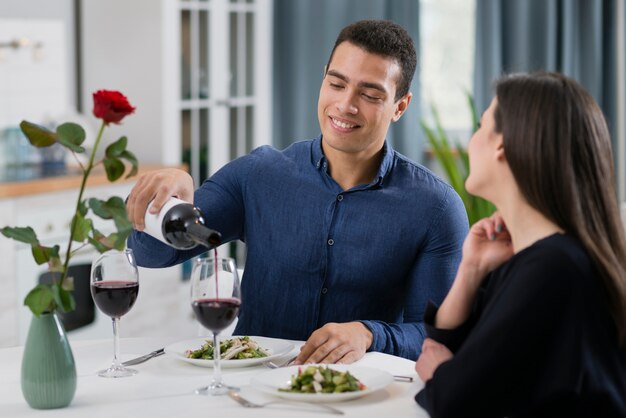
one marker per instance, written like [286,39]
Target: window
[446,63]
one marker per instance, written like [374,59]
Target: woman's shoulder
[555,262]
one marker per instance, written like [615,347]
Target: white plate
[269,382]
[275,347]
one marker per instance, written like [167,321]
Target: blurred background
[213,79]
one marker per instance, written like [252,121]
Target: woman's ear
[499,147]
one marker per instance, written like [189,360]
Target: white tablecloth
[164,388]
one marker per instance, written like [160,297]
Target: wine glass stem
[116,344]
[217,370]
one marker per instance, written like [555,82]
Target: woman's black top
[540,342]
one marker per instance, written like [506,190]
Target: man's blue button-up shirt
[316,253]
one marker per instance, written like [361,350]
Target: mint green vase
[48,368]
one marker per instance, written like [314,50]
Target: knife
[145,357]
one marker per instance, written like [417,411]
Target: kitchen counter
[30,180]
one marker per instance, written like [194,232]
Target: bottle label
[154,222]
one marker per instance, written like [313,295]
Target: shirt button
[324,291]
[331,241]
[340,197]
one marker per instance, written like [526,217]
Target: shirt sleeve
[220,199]
[430,278]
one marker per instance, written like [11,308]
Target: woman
[535,322]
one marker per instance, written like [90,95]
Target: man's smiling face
[356,102]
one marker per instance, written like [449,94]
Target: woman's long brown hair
[558,147]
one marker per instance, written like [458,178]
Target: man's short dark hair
[385,38]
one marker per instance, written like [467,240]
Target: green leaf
[114,168]
[71,136]
[21,234]
[114,208]
[108,209]
[38,136]
[117,209]
[119,240]
[100,242]
[116,149]
[474,114]
[455,164]
[82,207]
[40,299]
[99,208]
[43,254]
[130,157]
[82,228]
[63,298]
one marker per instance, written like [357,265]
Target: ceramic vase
[48,369]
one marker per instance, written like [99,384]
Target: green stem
[86,172]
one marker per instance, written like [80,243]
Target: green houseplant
[48,376]
[455,163]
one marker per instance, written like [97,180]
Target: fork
[273,365]
[246,403]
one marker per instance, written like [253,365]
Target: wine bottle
[181,225]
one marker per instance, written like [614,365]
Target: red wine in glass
[215,308]
[114,288]
[114,298]
[216,314]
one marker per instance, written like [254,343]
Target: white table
[164,388]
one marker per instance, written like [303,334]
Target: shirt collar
[319,160]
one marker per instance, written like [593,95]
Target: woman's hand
[159,186]
[433,354]
[487,246]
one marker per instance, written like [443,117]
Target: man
[347,240]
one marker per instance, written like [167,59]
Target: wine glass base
[215,389]
[117,372]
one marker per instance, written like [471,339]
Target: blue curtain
[304,34]
[575,37]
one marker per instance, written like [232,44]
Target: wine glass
[114,288]
[215,299]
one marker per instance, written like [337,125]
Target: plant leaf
[99,208]
[82,207]
[108,209]
[63,298]
[114,168]
[21,234]
[455,163]
[130,157]
[117,209]
[71,136]
[43,254]
[100,242]
[40,299]
[37,135]
[82,227]
[116,149]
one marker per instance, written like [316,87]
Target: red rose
[111,106]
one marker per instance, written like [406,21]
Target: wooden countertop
[67,181]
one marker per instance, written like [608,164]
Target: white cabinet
[162,307]
[198,71]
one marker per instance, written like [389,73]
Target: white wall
[33,83]
[62,10]
[122,50]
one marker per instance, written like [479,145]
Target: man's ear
[401,105]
